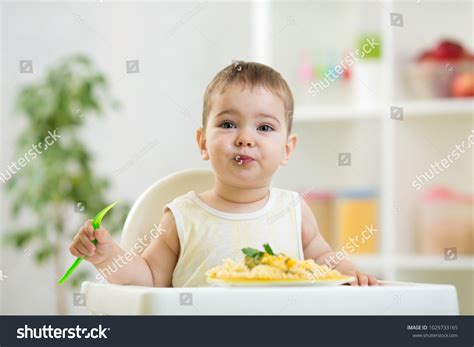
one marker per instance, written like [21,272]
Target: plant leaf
[268,249]
[20,238]
[252,252]
[43,254]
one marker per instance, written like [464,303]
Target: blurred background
[384,114]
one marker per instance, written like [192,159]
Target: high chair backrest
[146,213]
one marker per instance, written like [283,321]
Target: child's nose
[244,139]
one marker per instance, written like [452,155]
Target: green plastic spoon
[95,224]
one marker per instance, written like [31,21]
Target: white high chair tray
[390,298]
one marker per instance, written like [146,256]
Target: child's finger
[88,244]
[89,229]
[363,279]
[74,251]
[83,231]
[82,249]
[102,235]
[79,243]
[373,281]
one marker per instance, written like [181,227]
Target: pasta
[269,267]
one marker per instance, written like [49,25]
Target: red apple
[463,85]
[448,50]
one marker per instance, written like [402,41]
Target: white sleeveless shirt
[207,236]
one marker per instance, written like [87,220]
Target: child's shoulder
[183,200]
[184,196]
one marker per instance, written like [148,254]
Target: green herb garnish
[253,257]
[268,249]
[252,252]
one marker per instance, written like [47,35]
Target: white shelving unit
[412,109]
[394,259]
[458,107]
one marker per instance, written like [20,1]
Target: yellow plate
[277,283]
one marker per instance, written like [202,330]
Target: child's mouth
[242,160]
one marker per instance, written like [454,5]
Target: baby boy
[246,136]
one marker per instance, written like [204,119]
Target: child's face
[249,122]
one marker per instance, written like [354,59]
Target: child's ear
[289,148]
[201,141]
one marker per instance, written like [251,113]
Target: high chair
[391,298]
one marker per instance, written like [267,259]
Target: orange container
[445,220]
[357,222]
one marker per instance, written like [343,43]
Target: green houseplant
[60,180]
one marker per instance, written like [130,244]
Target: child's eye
[265,127]
[227,125]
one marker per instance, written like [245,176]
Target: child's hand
[82,244]
[362,279]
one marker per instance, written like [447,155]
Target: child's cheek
[217,150]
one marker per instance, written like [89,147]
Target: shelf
[422,262]
[335,113]
[438,107]
[422,108]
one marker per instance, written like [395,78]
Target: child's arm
[315,247]
[154,267]
[163,252]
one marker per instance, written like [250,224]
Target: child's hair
[250,74]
